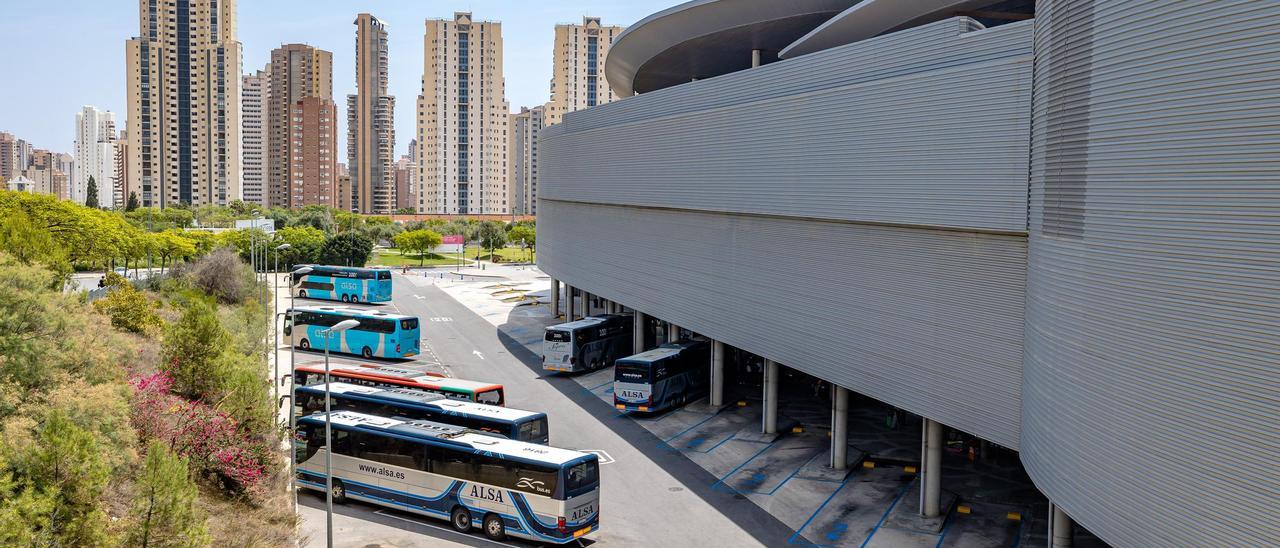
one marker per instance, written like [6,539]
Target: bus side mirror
[282,398]
[288,330]
[284,379]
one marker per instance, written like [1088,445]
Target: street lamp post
[328,427]
[293,351]
[275,309]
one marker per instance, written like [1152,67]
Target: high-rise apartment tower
[371,135]
[577,78]
[95,130]
[299,72]
[255,97]
[462,119]
[183,73]
[523,154]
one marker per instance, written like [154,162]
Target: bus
[516,424]
[396,377]
[658,379]
[504,487]
[590,343]
[344,283]
[380,334]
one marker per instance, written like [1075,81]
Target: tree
[132,204]
[492,236]
[164,511]
[91,197]
[524,235]
[63,461]
[305,243]
[171,244]
[348,221]
[421,241]
[347,249]
[192,347]
[316,217]
[27,242]
[128,308]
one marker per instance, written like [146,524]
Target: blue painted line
[837,532]
[593,388]
[744,463]
[946,528]
[796,535]
[793,474]
[695,425]
[713,447]
[886,515]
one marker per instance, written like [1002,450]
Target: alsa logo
[486,493]
[533,485]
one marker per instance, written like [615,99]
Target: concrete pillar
[931,467]
[570,306]
[755,58]
[770,425]
[839,427]
[555,298]
[673,332]
[586,304]
[639,323]
[1061,528]
[717,373]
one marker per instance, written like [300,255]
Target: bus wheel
[304,344]
[460,518]
[302,293]
[346,299]
[367,352]
[355,298]
[494,528]
[339,492]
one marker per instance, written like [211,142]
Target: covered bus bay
[840,467]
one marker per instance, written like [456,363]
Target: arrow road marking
[478,354]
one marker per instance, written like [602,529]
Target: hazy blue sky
[61,54]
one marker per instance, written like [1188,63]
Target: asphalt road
[650,497]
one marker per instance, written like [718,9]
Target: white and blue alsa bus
[505,487]
[590,343]
[344,283]
[516,424]
[669,375]
[379,334]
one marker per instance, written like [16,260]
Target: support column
[770,418]
[555,298]
[839,427]
[586,304]
[755,58]
[931,467]
[639,322]
[570,306]
[1061,528]
[673,332]
[717,373]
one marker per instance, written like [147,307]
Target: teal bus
[379,335]
[504,487]
[344,283]
[669,375]
[516,424]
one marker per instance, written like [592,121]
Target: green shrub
[164,511]
[129,309]
[192,347]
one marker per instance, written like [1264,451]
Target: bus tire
[494,528]
[366,352]
[346,299]
[302,293]
[460,519]
[339,492]
[355,299]
[304,344]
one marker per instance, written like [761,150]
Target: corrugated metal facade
[927,320]
[1152,377]
[941,139]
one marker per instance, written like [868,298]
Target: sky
[59,55]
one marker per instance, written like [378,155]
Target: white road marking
[600,454]
[445,529]
[478,354]
[440,319]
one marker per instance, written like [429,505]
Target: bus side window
[341,442]
[491,397]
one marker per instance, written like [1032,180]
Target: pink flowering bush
[193,429]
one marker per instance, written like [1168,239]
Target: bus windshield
[557,336]
[491,397]
[632,372]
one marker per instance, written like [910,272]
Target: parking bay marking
[600,454]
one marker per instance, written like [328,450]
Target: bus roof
[660,353]
[589,321]
[454,435]
[419,397]
[354,312]
[422,377]
[342,268]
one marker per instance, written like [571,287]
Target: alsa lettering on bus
[381,471]
[487,493]
[583,512]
